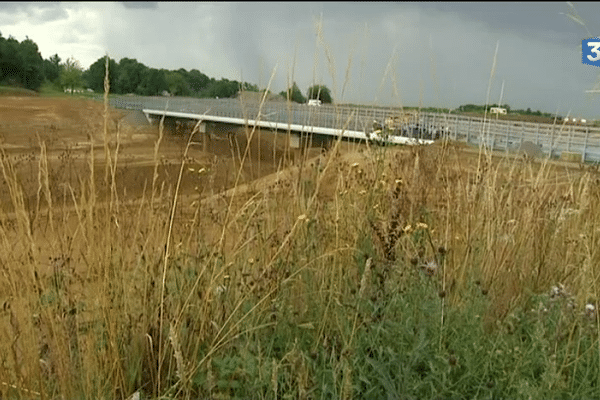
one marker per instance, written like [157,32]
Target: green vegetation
[20,63]
[294,94]
[16,91]
[423,272]
[52,68]
[394,274]
[472,108]
[319,92]
[94,76]
[70,75]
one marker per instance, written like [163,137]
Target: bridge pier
[296,141]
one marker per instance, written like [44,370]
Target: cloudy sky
[436,54]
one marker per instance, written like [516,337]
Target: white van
[315,103]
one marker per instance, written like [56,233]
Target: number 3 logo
[590,51]
[594,49]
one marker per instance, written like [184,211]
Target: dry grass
[136,298]
[345,276]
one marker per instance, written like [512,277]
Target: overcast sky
[439,54]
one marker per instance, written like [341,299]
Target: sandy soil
[68,127]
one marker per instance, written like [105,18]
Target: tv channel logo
[590,51]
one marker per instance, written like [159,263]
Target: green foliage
[249,87]
[410,344]
[21,64]
[32,74]
[94,76]
[71,75]
[131,74]
[472,108]
[52,68]
[320,92]
[294,94]
[197,81]
[537,113]
[222,89]
[154,83]
[178,86]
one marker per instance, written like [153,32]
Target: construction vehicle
[398,121]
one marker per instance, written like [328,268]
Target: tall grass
[420,272]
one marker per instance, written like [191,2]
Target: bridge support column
[149,118]
[295,141]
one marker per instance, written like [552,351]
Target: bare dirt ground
[71,128]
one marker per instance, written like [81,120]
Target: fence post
[469,131]
[522,132]
[587,134]
[494,134]
[456,127]
[552,141]
[570,137]
[507,135]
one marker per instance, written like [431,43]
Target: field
[137,263]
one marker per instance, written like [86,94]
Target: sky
[430,54]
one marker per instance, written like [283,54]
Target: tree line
[22,65]
[473,108]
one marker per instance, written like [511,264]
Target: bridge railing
[553,139]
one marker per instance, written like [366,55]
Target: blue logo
[590,51]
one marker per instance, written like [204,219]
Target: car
[315,103]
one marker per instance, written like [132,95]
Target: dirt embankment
[70,127]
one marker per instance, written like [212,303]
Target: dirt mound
[17,91]
[134,117]
[256,97]
[530,149]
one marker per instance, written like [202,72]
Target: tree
[319,92]
[131,75]
[197,81]
[294,94]
[177,83]
[249,87]
[222,89]
[70,76]
[52,68]
[21,64]
[154,83]
[32,70]
[94,76]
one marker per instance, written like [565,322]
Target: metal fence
[553,139]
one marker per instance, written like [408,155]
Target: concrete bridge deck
[295,130]
[553,140]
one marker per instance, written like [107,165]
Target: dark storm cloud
[437,54]
[151,5]
[35,12]
[546,21]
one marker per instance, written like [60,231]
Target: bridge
[296,132]
[576,143]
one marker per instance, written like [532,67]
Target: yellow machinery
[397,121]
